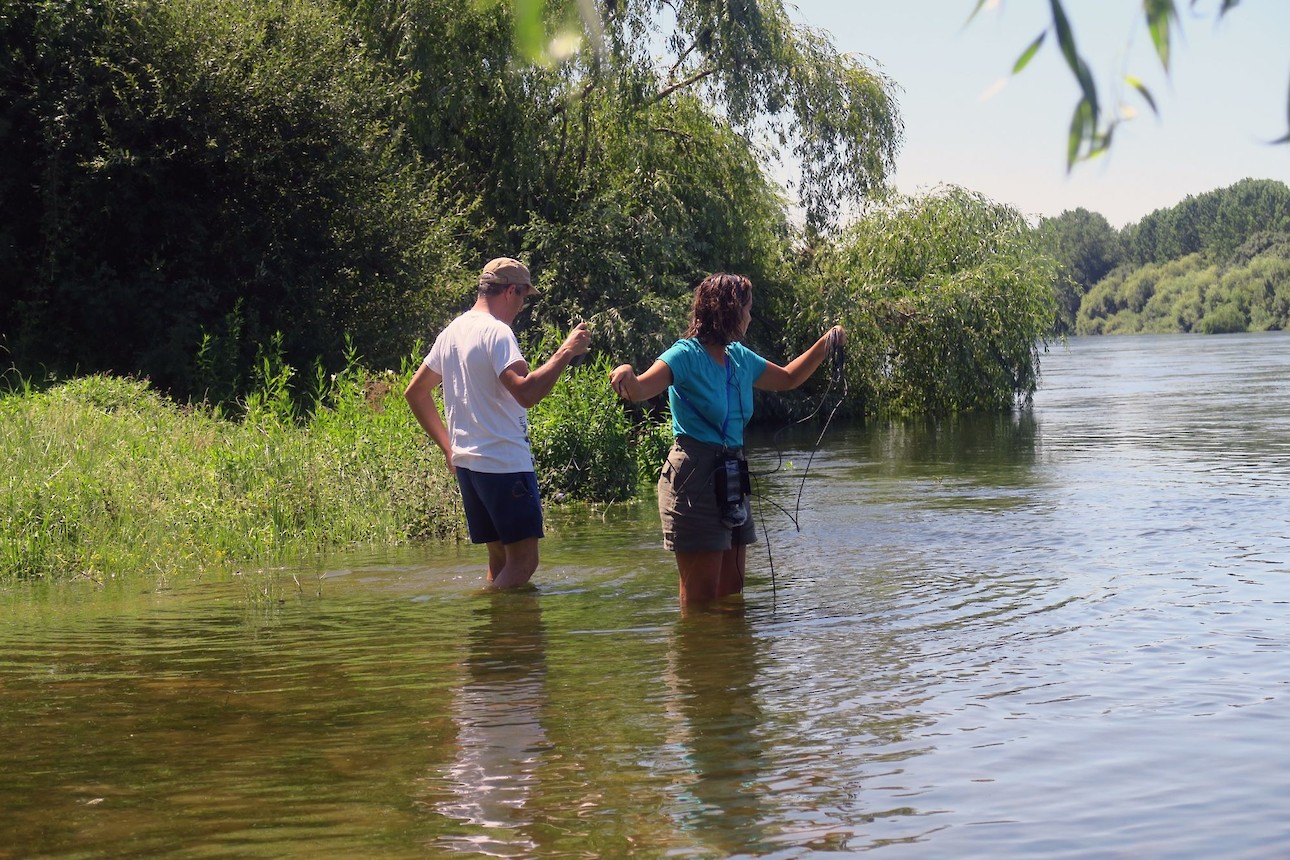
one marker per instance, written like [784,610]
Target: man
[487,390]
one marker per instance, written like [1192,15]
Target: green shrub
[651,441]
[1227,319]
[585,445]
[109,477]
[1251,291]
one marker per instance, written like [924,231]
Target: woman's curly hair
[716,317]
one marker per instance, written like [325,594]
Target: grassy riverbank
[105,477]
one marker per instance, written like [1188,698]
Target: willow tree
[487,71]
[836,115]
[948,297]
[627,152]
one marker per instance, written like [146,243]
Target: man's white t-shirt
[488,428]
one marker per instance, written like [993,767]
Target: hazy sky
[1225,97]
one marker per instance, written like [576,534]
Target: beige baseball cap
[505,270]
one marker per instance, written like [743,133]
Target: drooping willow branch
[680,85]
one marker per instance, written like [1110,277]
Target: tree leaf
[1285,139]
[980,4]
[1089,90]
[1160,16]
[591,20]
[1100,143]
[530,30]
[1028,54]
[1142,91]
[1082,124]
[1065,36]
[1227,4]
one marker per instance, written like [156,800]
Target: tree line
[1214,263]
[192,183]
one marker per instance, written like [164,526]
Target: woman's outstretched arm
[797,371]
[651,383]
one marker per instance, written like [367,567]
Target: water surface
[1059,633]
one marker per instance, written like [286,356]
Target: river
[1056,633]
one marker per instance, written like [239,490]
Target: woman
[711,377]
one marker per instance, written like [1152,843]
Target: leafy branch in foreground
[1090,130]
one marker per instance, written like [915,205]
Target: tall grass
[105,477]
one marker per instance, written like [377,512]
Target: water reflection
[500,737]
[712,670]
[983,442]
[969,444]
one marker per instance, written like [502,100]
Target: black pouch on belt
[733,486]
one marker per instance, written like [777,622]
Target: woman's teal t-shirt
[711,402]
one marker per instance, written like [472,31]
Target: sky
[969,122]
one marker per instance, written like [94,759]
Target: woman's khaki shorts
[687,501]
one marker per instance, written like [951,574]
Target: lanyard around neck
[725,422]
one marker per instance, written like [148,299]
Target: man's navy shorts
[503,507]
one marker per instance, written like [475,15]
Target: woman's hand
[651,383]
[624,381]
[797,371]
